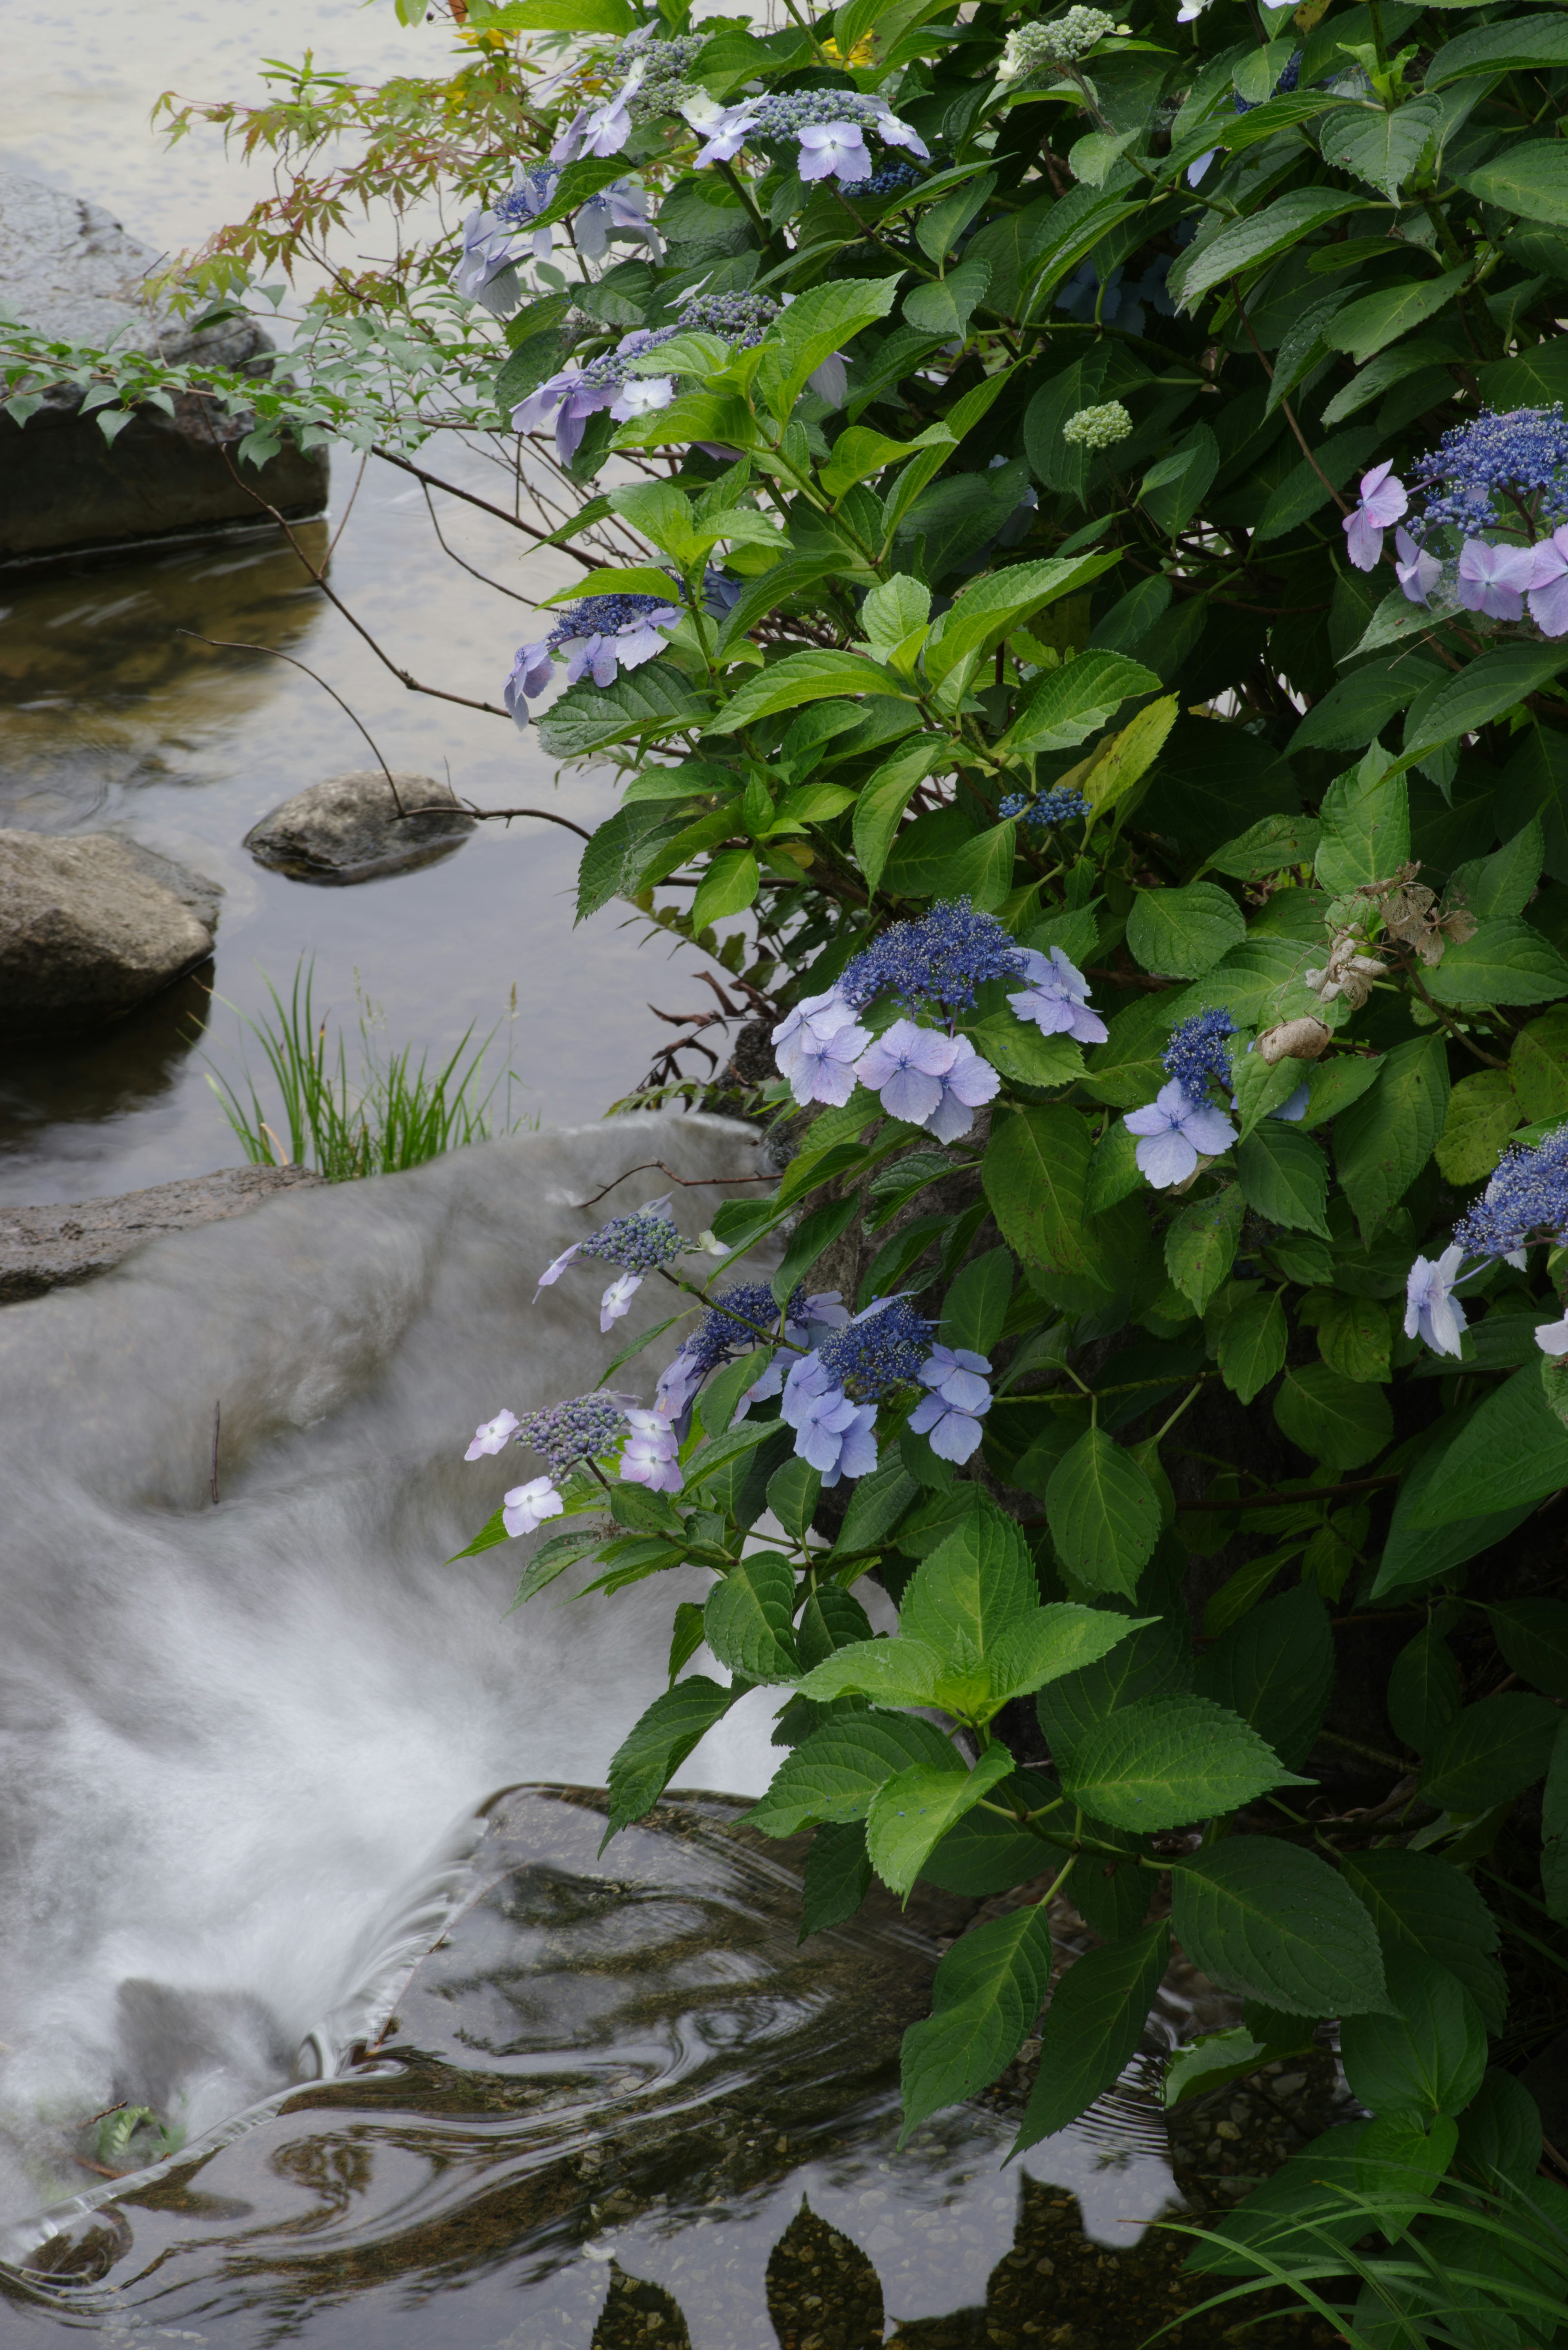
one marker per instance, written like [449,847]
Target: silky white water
[235,1735]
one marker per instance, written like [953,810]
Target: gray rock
[58,1246]
[68,269]
[348,828]
[90,926]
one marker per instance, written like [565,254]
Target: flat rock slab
[56,1247]
[92,924]
[348,828]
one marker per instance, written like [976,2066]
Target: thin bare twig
[687,1183]
[237,645]
[469,497]
[545,816]
[453,556]
[217,1422]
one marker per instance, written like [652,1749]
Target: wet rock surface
[68,269]
[92,925]
[55,1247]
[354,827]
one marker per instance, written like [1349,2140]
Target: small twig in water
[687,1182]
[217,1423]
[232,645]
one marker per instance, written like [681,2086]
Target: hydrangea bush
[1095,634]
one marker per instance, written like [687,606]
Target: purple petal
[1166,1158]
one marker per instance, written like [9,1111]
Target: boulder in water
[69,270]
[92,925]
[55,1247]
[357,828]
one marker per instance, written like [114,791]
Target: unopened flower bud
[1295,1040]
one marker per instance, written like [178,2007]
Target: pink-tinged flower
[554,1271]
[830,149]
[650,1456]
[1432,1309]
[816,1047]
[1383,501]
[492,1434]
[1056,998]
[616,1299]
[1416,571]
[1176,1132]
[1548,596]
[1551,1338]
[531,673]
[526,1507]
[950,1415]
[1493,579]
[966,1085]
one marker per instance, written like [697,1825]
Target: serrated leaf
[1424,1907]
[1365,817]
[1355,1339]
[912,1813]
[1200,1246]
[748,1618]
[888,1672]
[659,1742]
[1275,1668]
[833,1775]
[1426,1692]
[653,699]
[1513,1451]
[1529,179]
[1023,1055]
[1036,1168]
[1533,1635]
[1092,2030]
[799,678]
[1063,707]
[1380,318]
[836,1877]
[988,1991]
[1184,933]
[1507,961]
[1274,1922]
[1245,244]
[1384,1138]
[1252,1343]
[970,1589]
[1494,681]
[1156,1660]
[1104,1515]
[1489,1753]
[1428,2055]
[1335,1421]
[1283,1176]
[943,305]
[1168,1760]
[1482,1112]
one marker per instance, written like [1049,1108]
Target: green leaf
[1168,1760]
[1426,1692]
[652,700]
[1489,1753]
[832,1774]
[729,887]
[1172,491]
[1538,1066]
[793,1493]
[1382,317]
[568,17]
[1505,882]
[1366,826]
[659,1742]
[1382,1141]
[710,1459]
[981,869]
[820,322]
[1517,42]
[1120,763]
[982,615]
[1275,1668]
[1336,1421]
[1397,2156]
[1104,1515]
[1153,1661]
[799,678]
[973,1587]
[1200,1246]
[1283,1176]
[1184,933]
[1529,179]
[749,1616]
[988,1991]
[1533,1635]
[836,1879]
[1381,149]
[1063,707]
[1023,1056]
[1051,1644]
[1426,1908]
[1482,1112]
[975,1307]
[1513,1451]
[1554,1830]
[1274,1922]
[888,1672]
[813,1234]
[943,305]
[1333,1085]
[1354,712]
[1354,1337]
[1092,2030]
[1507,961]
[1036,1168]
[1257,1090]
[1245,244]
[875,1506]
[1482,690]
[1253,1342]
[1428,2055]
[1218,2058]
[913,1812]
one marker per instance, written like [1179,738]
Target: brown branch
[453,556]
[687,1182]
[514,522]
[1343,504]
[545,816]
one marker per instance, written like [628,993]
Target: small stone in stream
[56,1247]
[357,826]
[92,924]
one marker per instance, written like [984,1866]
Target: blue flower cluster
[638,1244]
[1198,1055]
[565,1433]
[939,959]
[1527,1199]
[1484,474]
[743,319]
[880,1350]
[659,89]
[1059,805]
[885,182]
[733,1321]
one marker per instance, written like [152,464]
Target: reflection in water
[126,1066]
[620,2105]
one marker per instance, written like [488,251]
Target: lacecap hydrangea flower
[568,1435]
[738,1321]
[1182,1124]
[831,1395]
[1525,1204]
[494,240]
[653,83]
[1490,536]
[638,1244]
[830,128]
